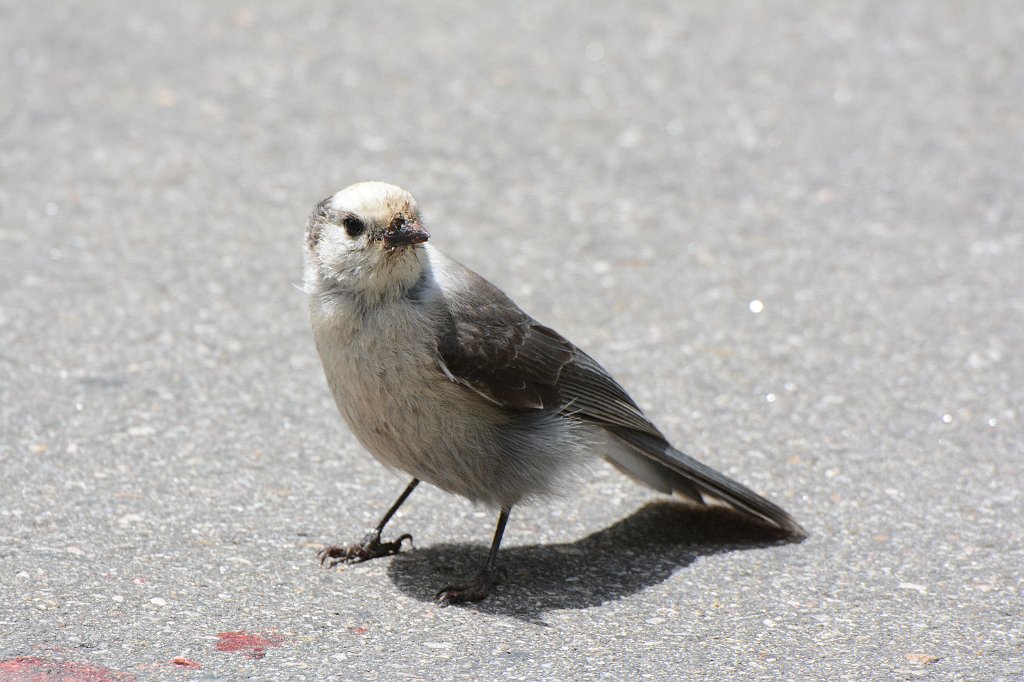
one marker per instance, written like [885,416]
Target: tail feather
[708,480]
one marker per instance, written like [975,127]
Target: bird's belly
[389,399]
[402,408]
[412,417]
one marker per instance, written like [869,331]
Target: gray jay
[440,375]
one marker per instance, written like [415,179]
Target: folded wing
[509,359]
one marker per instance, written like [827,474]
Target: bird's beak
[406,234]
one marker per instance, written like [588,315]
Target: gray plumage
[439,374]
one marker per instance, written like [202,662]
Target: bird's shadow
[635,553]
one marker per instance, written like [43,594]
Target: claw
[370,548]
[475,591]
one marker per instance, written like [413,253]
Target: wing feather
[508,358]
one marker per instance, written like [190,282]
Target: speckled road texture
[794,231]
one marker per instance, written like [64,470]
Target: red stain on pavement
[253,646]
[35,669]
[182,662]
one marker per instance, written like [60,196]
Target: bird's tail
[660,453]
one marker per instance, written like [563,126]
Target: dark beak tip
[407,235]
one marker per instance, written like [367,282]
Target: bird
[440,375]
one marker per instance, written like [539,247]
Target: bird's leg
[370,547]
[488,577]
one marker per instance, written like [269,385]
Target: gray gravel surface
[794,230]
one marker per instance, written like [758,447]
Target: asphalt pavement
[794,231]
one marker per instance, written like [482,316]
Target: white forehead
[373,199]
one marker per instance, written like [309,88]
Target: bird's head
[365,240]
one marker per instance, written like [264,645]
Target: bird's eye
[353,225]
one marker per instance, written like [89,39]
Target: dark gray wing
[510,359]
[506,356]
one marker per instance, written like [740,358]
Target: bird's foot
[475,591]
[370,548]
